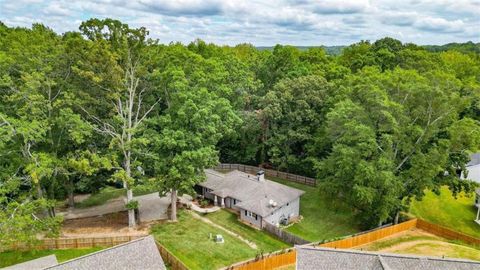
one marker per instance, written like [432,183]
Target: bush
[204,203]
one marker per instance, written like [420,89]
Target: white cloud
[265,22]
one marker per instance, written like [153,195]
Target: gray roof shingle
[254,195]
[474,160]
[310,258]
[36,264]
[137,254]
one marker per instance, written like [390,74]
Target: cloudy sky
[265,22]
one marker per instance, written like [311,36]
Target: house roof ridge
[395,255]
[103,250]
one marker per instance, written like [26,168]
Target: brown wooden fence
[253,170]
[268,262]
[173,262]
[69,243]
[284,235]
[447,233]
[365,238]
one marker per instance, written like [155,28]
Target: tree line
[376,125]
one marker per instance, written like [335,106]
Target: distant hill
[331,50]
[466,47]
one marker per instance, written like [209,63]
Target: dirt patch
[105,225]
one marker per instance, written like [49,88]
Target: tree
[294,110]
[394,137]
[183,136]
[123,76]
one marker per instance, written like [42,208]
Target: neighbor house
[137,254]
[311,258]
[477,204]
[473,168]
[257,200]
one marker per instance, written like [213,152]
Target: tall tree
[123,76]
[184,135]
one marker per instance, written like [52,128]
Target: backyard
[189,240]
[322,217]
[422,243]
[13,257]
[457,214]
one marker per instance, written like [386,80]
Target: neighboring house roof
[254,195]
[36,264]
[137,254]
[474,160]
[310,258]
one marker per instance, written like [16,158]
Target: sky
[264,22]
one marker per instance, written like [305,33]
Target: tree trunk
[71,198]
[397,217]
[131,212]
[173,214]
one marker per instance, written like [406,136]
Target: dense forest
[376,124]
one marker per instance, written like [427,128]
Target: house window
[288,204]
[250,214]
[234,201]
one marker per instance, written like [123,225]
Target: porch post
[222,202]
[215,200]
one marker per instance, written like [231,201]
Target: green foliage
[8,258]
[378,123]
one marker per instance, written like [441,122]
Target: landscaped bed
[418,242]
[189,240]
[456,214]
[322,218]
[8,258]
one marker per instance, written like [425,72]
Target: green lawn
[322,218]
[188,239]
[13,257]
[457,214]
[263,240]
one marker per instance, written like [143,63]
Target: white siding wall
[473,173]
[255,222]
[293,207]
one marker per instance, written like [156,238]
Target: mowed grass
[8,258]
[323,218]
[457,214]
[418,242]
[188,239]
[264,241]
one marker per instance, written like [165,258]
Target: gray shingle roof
[474,160]
[253,195]
[310,258]
[137,254]
[36,264]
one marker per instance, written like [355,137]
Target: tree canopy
[376,124]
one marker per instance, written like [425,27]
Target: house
[36,264]
[477,204]
[257,200]
[473,168]
[311,258]
[137,254]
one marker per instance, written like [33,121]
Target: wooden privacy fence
[284,235]
[447,233]
[365,238]
[170,259]
[253,170]
[268,262]
[70,243]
